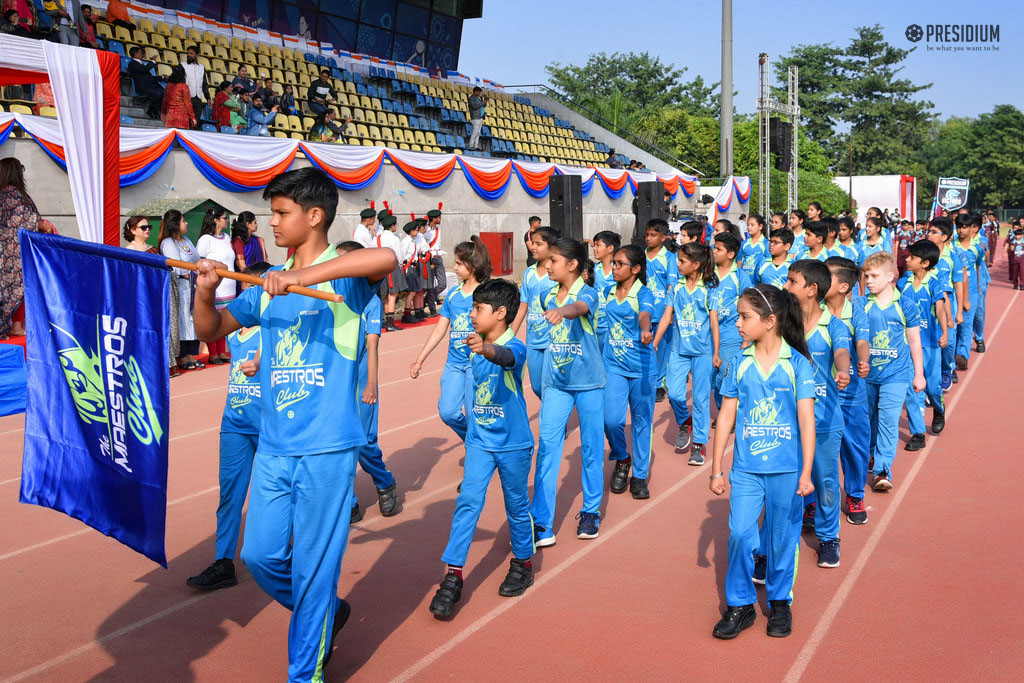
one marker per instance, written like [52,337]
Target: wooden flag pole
[254,280]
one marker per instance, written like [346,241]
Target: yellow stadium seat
[235,55]
[172,57]
[263,60]
[409,137]
[386,134]
[415,148]
[140,37]
[163,28]
[277,76]
[303,92]
[222,40]
[280,134]
[392,120]
[344,112]
[358,115]
[419,137]
[289,77]
[179,32]
[232,68]
[370,115]
[250,58]
[151,54]
[20,109]
[429,137]
[307,122]
[221,52]
[103,30]
[362,131]
[218,66]
[263,49]
[205,62]
[304,79]
[276,63]
[163,70]
[174,43]
[287,53]
[206,49]
[275,51]
[379,143]
[403,145]
[403,121]
[48,112]
[298,136]
[374,132]
[249,45]
[122,34]
[237,43]
[261,72]
[146,25]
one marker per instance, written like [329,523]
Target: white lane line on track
[810,648]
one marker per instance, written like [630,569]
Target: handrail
[615,128]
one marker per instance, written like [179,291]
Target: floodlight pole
[725,134]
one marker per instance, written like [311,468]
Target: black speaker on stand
[565,204]
[648,205]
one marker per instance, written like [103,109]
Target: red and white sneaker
[881,482]
[856,513]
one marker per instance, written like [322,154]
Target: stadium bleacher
[388,107]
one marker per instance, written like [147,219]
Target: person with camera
[477,104]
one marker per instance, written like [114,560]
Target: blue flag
[97,407]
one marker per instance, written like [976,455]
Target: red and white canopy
[87,95]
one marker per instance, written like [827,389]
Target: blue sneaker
[589,522]
[828,553]
[947,381]
[542,538]
[760,569]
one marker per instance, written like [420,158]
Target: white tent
[87,95]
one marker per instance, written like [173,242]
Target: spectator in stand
[174,243]
[87,27]
[259,118]
[146,84]
[117,14]
[248,246]
[27,16]
[221,107]
[436,73]
[11,25]
[243,82]
[177,105]
[269,95]
[325,128]
[136,233]
[321,93]
[64,14]
[288,105]
[215,244]
[195,78]
[613,159]
[244,105]
[477,111]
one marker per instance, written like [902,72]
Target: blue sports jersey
[849,251]
[623,353]
[984,277]
[971,257]
[767,427]
[926,295]
[885,329]
[242,409]
[854,319]
[310,371]
[662,276]
[864,250]
[822,255]
[691,310]
[572,361]
[603,283]
[830,333]
[498,420]
[771,274]
[752,255]
[796,252]
[456,307]
[726,294]
[535,288]
[370,322]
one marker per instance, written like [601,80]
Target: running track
[927,588]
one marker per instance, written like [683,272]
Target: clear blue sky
[516,39]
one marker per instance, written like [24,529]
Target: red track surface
[927,588]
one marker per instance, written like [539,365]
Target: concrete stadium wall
[465,212]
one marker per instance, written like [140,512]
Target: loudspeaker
[565,203]
[780,143]
[650,204]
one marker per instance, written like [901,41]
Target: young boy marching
[301,497]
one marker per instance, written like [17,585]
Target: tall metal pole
[793,108]
[725,147]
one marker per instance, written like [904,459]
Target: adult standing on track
[17,210]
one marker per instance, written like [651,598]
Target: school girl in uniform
[629,362]
[472,267]
[536,286]
[769,397]
[754,250]
[605,243]
[662,276]
[692,312]
[573,377]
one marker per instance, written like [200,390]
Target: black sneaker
[220,574]
[620,476]
[956,377]
[518,579]
[387,499]
[780,619]
[979,345]
[915,443]
[638,488]
[828,553]
[760,569]
[697,455]
[340,618]
[589,524]
[660,394]
[961,362]
[409,319]
[683,438]
[357,514]
[938,420]
[733,621]
[446,596]
[809,517]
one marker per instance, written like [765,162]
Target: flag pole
[254,280]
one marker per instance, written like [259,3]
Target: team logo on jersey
[290,368]
[462,327]
[109,389]
[762,428]
[618,340]
[687,320]
[241,390]
[485,412]
[880,351]
[563,351]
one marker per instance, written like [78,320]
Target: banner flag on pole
[98,387]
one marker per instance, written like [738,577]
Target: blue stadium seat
[420,101]
[115,46]
[127,120]
[407,109]
[360,88]
[357,78]
[460,142]
[435,126]
[445,116]
[392,74]
[321,60]
[373,71]
[497,145]
[228,129]
[210,128]
[309,57]
[346,76]
[331,62]
[337,73]
[124,64]
[396,86]
[469,129]
[386,104]
[485,132]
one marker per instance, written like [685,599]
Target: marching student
[855,446]
[952,274]
[1015,254]
[573,377]
[413,274]
[695,345]
[364,232]
[769,398]
[536,286]
[754,250]
[731,282]
[629,362]
[984,279]
[431,235]
[395,281]
[239,435]
[922,284]
[903,237]
[815,234]
[424,268]
[972,256]
[473,268]
[773,271]
[371,459]
[796,224]
[662,276]
[891,324]
[498,437]
[604,245]
[301,498]
[828,342]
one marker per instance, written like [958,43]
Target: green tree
[994,161]
[821,85]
